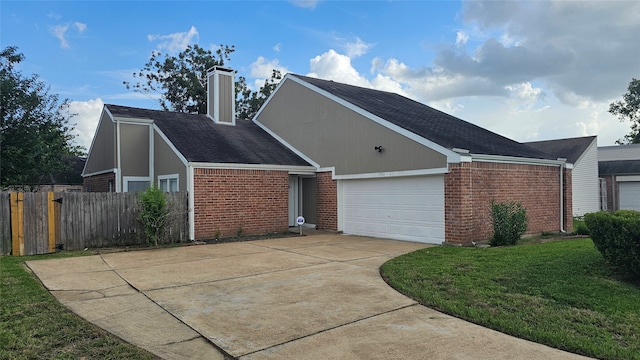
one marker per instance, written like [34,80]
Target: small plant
[617,237]
[216,235]
[239,232]
[154,212]
[579,227]
[510,221]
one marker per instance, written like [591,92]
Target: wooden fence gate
[41,222]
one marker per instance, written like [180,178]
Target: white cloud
[334,66]
[81,27]
[277,47]
[59,31]
[86,119]
[176,42]
[357,48]
[461,37]
[262,69]
[309,4]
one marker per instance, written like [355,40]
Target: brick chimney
[221,100]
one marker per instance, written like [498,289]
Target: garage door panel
[629,195]
[409,208]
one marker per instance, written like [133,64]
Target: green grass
[34,325]
[558,293]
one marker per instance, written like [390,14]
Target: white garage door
[405,208]
[629,195]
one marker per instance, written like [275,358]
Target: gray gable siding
[102,154]
[333,135]
[441,128]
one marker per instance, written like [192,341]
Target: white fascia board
[133,121]
[170,144]
[283,142]
[385,174]
[106,171]
[452,157]
[290,168]
[518,160]
[627,178]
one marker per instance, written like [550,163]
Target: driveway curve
[311,297]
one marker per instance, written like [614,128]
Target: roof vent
[221,100]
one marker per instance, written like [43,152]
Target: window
[168,183]
[135,183]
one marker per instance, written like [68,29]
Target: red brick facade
[327,202]
[227,200]
[100,183]
[470,187]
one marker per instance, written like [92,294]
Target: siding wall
[102,155]
[470,187]
[333,135]
[227,200]
[586,196]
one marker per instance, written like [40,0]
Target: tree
[181,81]
[628,109]
[249,102]
[35,134]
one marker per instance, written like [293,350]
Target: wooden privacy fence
[41,222]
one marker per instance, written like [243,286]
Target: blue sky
[528,70]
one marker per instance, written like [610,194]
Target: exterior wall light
[378,148]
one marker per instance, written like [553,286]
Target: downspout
[190,202]
[562,164]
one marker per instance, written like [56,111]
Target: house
[348,159]
[619,170]
[582,152]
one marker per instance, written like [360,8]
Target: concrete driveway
[311,297]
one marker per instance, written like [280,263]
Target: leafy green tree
[181,81]
[249,102]
[35,134]
[628,109]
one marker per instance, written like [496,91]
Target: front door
[294,199]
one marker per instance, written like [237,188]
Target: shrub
[509,223]
[617,237]
[579,227]
[153,213]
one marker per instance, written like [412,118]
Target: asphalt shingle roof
[199,139]
[570,149]
[619,167]
[427,122]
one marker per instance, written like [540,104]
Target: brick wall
[100,183]
[226,200]
[612,193]
[327,202]
[470,187]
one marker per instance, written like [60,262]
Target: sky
[528,70]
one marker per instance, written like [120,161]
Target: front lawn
[558,293]
[34,325]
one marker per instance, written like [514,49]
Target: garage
[402,208]
[629,195]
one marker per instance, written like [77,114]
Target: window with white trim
[168,183]
[135,184]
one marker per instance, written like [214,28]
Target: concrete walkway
[311,297]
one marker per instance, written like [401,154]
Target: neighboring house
[348,159]
[619,169]
[582,152]
[68,179]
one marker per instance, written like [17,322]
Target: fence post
[17,223]
[51,221]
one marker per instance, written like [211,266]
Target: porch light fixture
[378,148]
